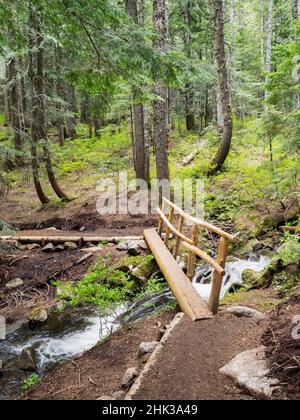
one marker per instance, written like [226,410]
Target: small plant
[31,381]
[290,251]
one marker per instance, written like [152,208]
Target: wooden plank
[187,297]
[199,222]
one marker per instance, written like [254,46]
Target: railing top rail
[199,222]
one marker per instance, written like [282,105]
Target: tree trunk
[160,43]
[189,95]
[220,54]
[295,9]
[60,126]
[35,162]
[39,127]
[70,121]
[141,151]
[269,51]
[16,104]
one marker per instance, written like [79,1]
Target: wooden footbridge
[180,283]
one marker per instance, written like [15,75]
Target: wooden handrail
[173,229]
[204,256]
[199,222]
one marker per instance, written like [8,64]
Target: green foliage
[289,252]
[30,382]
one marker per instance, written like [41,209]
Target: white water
[51,347]
[233,275]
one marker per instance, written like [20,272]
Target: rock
[8,249]
[119,395]
[6,229]
[129,376]
[144,359]
[60,248]
[257,247]
[160,333]
[32,247]
[1,368]
[122,246]
[146,348]
[82,229]
[14,284]
[235,287]
[143,245]
[133,248]
[51,229]
[105,398]
[37,315]
[49,248]
[245,312]
[267,243]
[70,246]
[250,370]
[27,360]
[65,290]
[250,277]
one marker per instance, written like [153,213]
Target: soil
[283,350]
[188,366]
[37,270]
[99,371]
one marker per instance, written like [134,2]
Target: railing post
[214,299]
[168,230]
[161,222]
[192,257]
[178,239]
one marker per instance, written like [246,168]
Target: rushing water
[65,336]
[70,334]
[204,274]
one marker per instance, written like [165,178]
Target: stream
[70,333]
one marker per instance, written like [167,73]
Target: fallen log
[69,238]
[189,159]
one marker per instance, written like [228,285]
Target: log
[69,238]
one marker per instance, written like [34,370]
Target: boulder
[122,246]
[14,284]
[146,348]
[37,315]
[245,312]
[27,360]
[49,248]
[129,377]
[250,370]
[250,277]
[133,248]
[70,246]
[60,248]
[251,246]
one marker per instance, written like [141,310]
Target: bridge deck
[187,297]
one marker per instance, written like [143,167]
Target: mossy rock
[6,229]
[251,277]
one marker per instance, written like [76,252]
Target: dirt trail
[187,368]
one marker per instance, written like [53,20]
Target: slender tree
[161,132]
[141,149]
[223,87]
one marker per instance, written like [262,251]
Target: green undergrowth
[108,284]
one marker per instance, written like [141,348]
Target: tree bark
[221,62]
[39,126]
[269,50]
[16,106]
[161,132]
[189,95]
[35,162]
[141,151]
[295,9]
